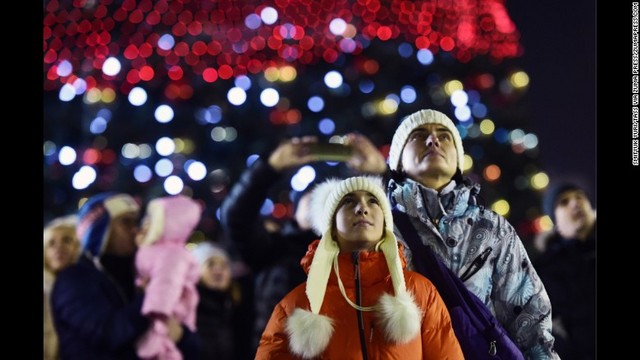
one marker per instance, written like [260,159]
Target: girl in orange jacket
[359,301]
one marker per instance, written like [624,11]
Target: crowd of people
[338,278]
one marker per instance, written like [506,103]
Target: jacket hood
[172,219]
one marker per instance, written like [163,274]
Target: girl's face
[216,273]
[359,221]
[61,248]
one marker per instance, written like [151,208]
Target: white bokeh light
[337,26]
[111,66]
[85,176]
[196,170]
[67,92]
[137,96]
[164,114]
[269,15]
[333,79]
[236,96]
[67,155]
[165,146]
[459,98]
[269,97]
[173,185]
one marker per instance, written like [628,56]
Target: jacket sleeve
[274,343]
[82,302]
[520,300]
[240,214]
[438,338]
[168,278]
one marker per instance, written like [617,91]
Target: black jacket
[568,271]
[274,257]
[97,317]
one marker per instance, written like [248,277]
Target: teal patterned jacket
[459,230]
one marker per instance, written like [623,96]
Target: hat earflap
[399,315]
[320,270]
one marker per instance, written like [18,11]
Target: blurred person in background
[219,302]
[274,256]
[169,273]
[61,249]
[97,310]
[567,267]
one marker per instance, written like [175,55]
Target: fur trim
[318,205]
[400,317]
[309,333]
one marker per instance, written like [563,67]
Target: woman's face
[61,248]
[216,273]
[359,221]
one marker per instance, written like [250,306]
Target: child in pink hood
[168,271]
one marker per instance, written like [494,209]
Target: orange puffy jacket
[436,341]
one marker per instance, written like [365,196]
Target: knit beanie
[206,250]
[419,118]
[171,219]
[552,194]
[94,218]
[310,331]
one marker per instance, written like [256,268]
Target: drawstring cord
[343,292]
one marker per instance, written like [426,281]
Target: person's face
[302,211]
[359,221]
[122,237]
[573,213]
[144,228]
[216,273]
[430,152]
[60,248]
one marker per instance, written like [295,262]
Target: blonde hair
[68,222]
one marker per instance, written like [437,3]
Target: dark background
[559,38]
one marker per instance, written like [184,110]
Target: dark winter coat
[568,270]
[274,257]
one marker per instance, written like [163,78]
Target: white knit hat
[309,331]
[419,118]
[206,250]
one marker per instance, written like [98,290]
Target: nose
[361,208]
[432,140]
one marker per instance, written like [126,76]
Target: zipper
[492,348]
[476,264]
[356,272]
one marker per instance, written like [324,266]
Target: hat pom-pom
[400,317]
[309,333]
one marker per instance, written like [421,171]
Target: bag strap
[450,287]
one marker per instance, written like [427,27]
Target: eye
[417,136]
[374,201]
[444,137]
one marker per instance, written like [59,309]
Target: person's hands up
[291,153]
[366,157]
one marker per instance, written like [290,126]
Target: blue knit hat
[552,194]
[96,214]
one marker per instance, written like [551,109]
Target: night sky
[559,38]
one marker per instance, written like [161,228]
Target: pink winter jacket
[171,272]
